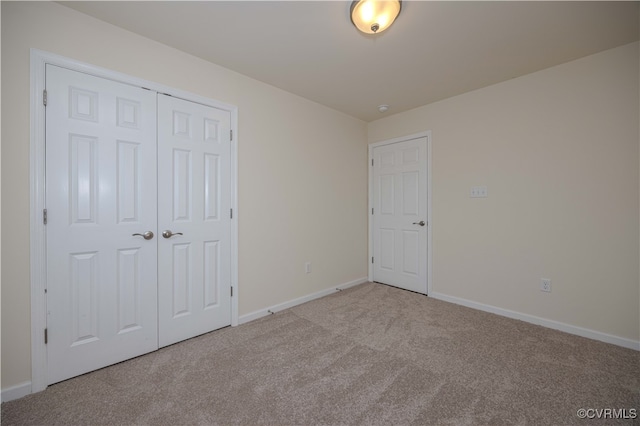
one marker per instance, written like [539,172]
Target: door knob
[421,223]
[147,235]
[169,234]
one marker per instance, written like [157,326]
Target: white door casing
[399,202]
[41,373]
[194,215]
[101,189]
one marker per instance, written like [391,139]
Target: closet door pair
[137,221]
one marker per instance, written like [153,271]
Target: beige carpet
[369,355]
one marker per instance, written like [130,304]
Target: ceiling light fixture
[374,16]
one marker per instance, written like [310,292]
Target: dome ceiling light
[374,16]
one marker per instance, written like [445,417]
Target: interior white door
[400,214]
[101,190]
[194,206]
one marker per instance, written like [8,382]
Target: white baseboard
[291,303]
[15,392]
[567,328]
[24,389]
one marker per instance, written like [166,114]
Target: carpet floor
[369,355]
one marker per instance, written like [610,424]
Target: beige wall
[558,151]
[302,168]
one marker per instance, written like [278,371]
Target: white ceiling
[433,51]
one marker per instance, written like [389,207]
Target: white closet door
[101,189]
[400,214]
[194,202]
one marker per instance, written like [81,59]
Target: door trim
[37,240]
[426,134]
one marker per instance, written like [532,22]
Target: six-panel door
[194,203]
[100,189]
[400,214]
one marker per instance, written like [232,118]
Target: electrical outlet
[307,267]
[545,285]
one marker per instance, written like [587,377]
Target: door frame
[38,270]
[429,260]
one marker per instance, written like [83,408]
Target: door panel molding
[407,157]
[38,273]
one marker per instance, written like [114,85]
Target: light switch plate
[479,192]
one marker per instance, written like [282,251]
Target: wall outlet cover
[545,285]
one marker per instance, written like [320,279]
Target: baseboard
[567,328]
[15,392]
[291,303]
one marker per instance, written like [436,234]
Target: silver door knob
[169,234]
[421,223]
[147,235]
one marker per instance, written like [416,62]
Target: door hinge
[44,216]
[371,210]
[372,161]
[44,97]
[46,336]
[231,134]
[231,213]
[372,259]
[231,291]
